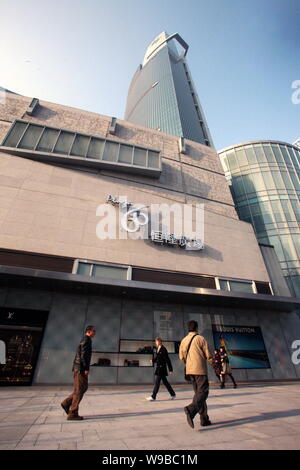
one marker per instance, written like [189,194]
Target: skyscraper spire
[162,94]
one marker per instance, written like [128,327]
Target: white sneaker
[173,398]
[150,399]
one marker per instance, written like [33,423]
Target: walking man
[162,360]
[195,353]
[81,367]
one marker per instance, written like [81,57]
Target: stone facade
[52,209]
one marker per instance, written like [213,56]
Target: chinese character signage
[171,240]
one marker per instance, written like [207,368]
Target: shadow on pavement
[254,419]
[225,394]
[152,412]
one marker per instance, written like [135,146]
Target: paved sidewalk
[249,417]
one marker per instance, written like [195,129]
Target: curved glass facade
[264,181]
[162,96]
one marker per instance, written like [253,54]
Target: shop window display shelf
[132,353]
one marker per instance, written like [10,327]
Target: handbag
[226,369]
[187,376]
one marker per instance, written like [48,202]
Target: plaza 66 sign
[132,218]
[157,222]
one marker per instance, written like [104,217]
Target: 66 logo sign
[132,218]
[157,222]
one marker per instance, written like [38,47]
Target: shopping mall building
[264,178]
[57,166]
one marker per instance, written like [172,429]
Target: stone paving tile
[126,433]
[13,433]
[248,444]
[191,448]
[114,444]
[70,426]
[58,437]
[46,446]
[45,428]
[90,435]
[251,417]
[7,445]
[54,420]
[28,439]
[31,447]
[204,437]
[153,443]
[281,443]
[254,432]
[274,430]
[68,446]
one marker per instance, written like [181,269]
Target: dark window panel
[263,288]
[163,277]
[153,159]
[31,137]
[84,269]
[15,134]
[36,261]
[111,272]
[125,155]
[95,148]
[48,140]
[64,142]
[111,150]
[140,157]
[80,145]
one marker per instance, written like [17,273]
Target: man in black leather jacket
[81,368]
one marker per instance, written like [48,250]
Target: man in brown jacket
[195,358]
[81,368]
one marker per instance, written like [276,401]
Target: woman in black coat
[226,369]
[162,361]
[218,365]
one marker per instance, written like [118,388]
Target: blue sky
[244,56]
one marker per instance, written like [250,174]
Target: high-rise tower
[162,95]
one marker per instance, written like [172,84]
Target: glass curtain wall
[264,181]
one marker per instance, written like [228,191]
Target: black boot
[233,381]
[222,382]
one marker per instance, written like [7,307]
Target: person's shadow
[153,412]
[254,419]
